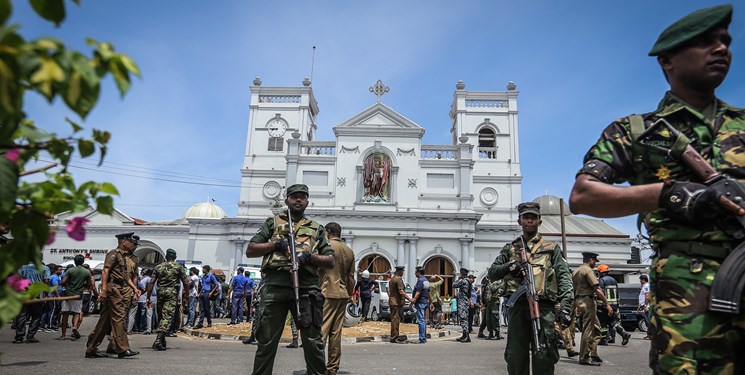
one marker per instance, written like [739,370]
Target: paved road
[191,355]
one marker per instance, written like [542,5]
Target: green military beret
[691,26]
[297,188]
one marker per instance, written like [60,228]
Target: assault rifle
[728,285]
[528,288]
[295,270]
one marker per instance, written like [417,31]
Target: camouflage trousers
[463,307]
[167,301]
[686,337]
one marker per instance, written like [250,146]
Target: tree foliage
[45,66]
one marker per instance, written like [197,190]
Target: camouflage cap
[297,188]
[170,252]
[691,26]
[529,208]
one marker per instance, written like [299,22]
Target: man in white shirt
[644,301]
[193,295]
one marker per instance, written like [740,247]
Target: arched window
[487,143]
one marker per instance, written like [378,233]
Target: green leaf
[121,76]
[130,65]
[72,94]
[102,150]
[109,188]
[10,305]
[8,187]
[5,9]
[75,127]
[105,205]
[49,72]
[86,147]
[51,10]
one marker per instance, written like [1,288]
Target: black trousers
[29,313]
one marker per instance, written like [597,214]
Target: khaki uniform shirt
[395,286]
[122,266]
[584,281]
[334,280]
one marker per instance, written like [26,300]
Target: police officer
[396,297]
[118,291]
[237,291]
[278,296]
[552,285]
[167,275]
[690,230]
[609,324]
[462,289]
[586,288]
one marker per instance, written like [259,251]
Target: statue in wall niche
[376,178]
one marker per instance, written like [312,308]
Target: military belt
[694,248]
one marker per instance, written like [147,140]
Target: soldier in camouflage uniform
[689,230]
[256,307]
[493,302]
[553,285]
[167,275]
[463,288]
[278,297]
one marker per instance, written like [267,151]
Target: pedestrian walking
[210,288]
[31,312]
[168,275]
[420,299]
[365,287]
[74,280]
[609,323]
[237,292]
[118,290]
[644,299]
[435,299]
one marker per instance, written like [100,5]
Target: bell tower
[276,114]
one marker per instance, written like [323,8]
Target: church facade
[399,201]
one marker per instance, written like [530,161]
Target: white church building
[399,201]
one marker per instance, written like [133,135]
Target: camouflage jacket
[721,141]
[553,282]
[169,275]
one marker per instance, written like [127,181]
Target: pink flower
[52,236]
[75,228]
[13,154]
[18,283]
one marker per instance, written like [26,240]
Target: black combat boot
[498,336]
[481,334]
[293,344]
[163,340]
[159,343]
[491,335]
[467,337]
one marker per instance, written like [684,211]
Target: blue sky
[578,65]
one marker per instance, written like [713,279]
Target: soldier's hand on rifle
[281,246]
[303,257]
[690,201]
[515,269]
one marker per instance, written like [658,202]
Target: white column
[349,240]
[400,261]
[465,252]
[237,255]
[411,266]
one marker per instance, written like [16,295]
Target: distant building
[399,202]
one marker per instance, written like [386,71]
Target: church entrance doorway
[377,265]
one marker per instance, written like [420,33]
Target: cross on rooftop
[379,89]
